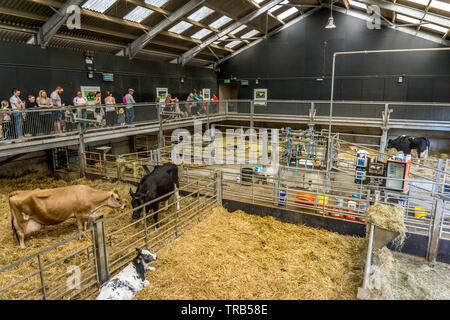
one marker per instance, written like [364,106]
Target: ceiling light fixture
[331,24]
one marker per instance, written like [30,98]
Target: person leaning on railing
[47,117]
[129,99]
[17,118]
[80,101]
[32,120]
[111,110]
[56,102]
[99,113]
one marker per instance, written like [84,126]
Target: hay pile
[381,275]
[134,168]
[241,256]
[398,276]
[391,217]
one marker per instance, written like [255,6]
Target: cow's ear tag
[139,261]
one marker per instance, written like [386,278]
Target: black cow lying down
[161,181]
[407,143]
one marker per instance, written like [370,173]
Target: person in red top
[214,104]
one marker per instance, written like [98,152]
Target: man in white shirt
[80,101]
[16,103]
[130,109]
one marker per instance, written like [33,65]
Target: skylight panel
[238,29]
[98,5]
[138,14]
[233,44]
[287,13]
[258,1]
[407,19]
[440,5]
[221,39]
[434,4]
[180,27]
[250,34]
[156,3]
[278,6]
[357,4]
[220,22]
[422,2]
[435,27]
[201,14]
[201,34]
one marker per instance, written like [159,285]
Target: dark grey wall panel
[31,69]
[289,63]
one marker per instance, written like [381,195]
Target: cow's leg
[155,216]
[81,226]
[17,230]
[166,207]
[20,234]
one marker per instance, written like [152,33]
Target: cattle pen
[111,242]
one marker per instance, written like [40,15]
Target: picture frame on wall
[207,94]
[260,97]
[162,93]
[89,93]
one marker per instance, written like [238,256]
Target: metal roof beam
[143,40]
[187,56]
[51,27]
[409,11]
[421,34]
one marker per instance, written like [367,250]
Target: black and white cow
[407,143]
[161,181]
[130,280]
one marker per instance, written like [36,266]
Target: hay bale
[391,217]
[241,256]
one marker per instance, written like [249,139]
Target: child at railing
[6,121]
[121,117]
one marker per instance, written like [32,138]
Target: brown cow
[32,209]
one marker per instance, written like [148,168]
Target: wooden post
[433,240]
[219,188]
[101,256]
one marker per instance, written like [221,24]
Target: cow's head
[390,144]
[145,257]
[114,200]
[137,200]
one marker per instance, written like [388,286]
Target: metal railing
[33,124]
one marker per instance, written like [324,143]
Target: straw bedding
[398,276]
[9,248]
[241,256]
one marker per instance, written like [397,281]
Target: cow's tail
[12,216]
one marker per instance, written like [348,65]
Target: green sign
[227,81]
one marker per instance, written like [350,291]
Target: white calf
[130,280]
